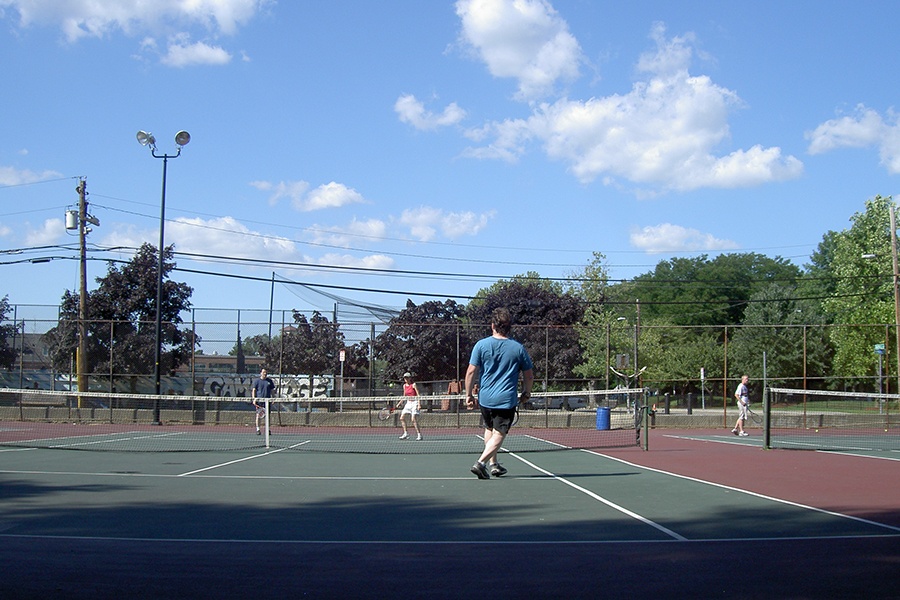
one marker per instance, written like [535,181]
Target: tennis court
[701,514]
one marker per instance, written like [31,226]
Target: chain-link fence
[684,366]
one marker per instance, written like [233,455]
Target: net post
[646,421]
[767,418]
[267,422]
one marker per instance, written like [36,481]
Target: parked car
[556,402]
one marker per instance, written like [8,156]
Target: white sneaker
[743,434]
[404,436]
[419,438]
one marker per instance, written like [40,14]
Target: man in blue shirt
[494,366]
[263,387]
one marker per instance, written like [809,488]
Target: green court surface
[580,520]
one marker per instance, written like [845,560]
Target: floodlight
[182,138]
[145,138]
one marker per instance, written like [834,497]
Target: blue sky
[407,149]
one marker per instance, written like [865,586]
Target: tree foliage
[251,346]
[8,354]
[121,336]
[863,291]
[700,291]
[786,331]
[427,340]
[676,354]
[308,347]
[543,316]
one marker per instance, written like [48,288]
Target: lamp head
[182,138]
[145,138]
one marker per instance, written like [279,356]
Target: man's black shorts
[500,419]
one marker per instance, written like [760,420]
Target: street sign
[879,348]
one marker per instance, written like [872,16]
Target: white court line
[232,462]
[599,498]
[718,439]
[258,477]
[748,492]
[116,440]
[727,440]
[14,449]
[855,455]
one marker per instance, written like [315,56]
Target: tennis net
[831,420]
[148,423]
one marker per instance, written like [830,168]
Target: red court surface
[867,487]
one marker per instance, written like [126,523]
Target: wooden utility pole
[81,356]
[83,219]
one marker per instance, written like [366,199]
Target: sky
[379,152]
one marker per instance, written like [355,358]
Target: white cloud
[667,237]
[225,236]
[221,236]
[13,176]
[49,232]
[292,190]
[426,222]
[865,128]
[98,18]
[182,53]
[521,39]
[412,111]
[329,195]
[372,261]
[662,133]
[176,19]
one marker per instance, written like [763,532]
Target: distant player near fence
[263,388]
[742,395]
[411,406]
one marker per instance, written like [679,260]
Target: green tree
[601,335]
[121,335]
[427,340]
[700,291]
[674,355]
[308,347]
[8,354]
[819,281]
[788,330]
[251,346]
[544,317]
[861,267]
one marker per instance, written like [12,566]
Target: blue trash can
[602,418]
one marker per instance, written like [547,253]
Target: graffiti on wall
[294,387]
[287,386]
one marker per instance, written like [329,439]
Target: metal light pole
[145,138]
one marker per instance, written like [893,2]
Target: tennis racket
[385,413]
[755,417]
